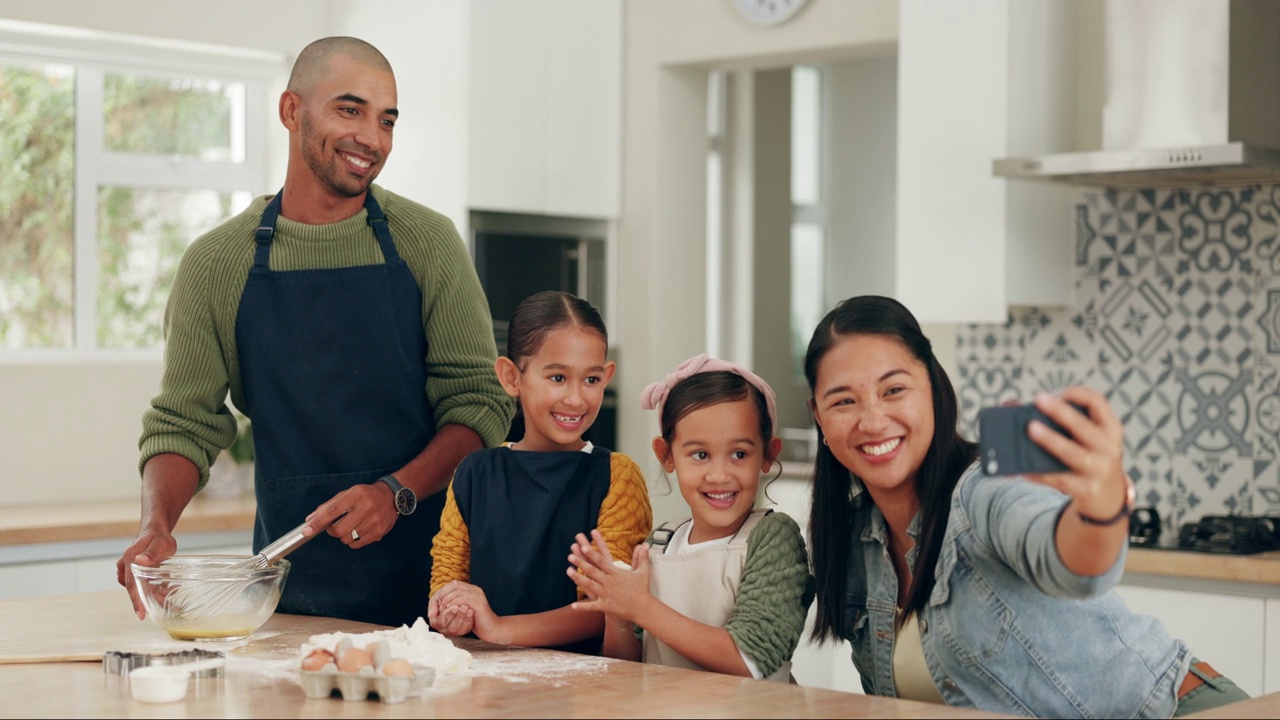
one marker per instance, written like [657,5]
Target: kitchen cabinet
[91,566]
[1271,641]
[1226,631]
[546,107]
[978,81]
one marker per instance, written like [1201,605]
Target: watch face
[768,12]
[406,503]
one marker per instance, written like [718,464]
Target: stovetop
[1222,534]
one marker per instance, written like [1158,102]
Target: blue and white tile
[1213,410]
[1144,399]
[1214,231]
[1220,483]
[1212,323]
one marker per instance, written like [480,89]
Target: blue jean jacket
[1008,628]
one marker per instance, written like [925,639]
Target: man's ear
[508,374]
[662,451]
[290,108]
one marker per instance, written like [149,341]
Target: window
[808,211]
[119,153]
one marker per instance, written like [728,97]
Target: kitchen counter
[502,682]
[1263,568]
[23,525]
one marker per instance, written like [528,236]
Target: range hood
[1192,97]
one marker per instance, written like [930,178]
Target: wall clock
[768,12]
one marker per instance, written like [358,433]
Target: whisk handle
[289,542]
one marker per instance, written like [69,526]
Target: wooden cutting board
[76,628]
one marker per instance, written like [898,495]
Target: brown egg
[354,659]
[317,659]
[397,666]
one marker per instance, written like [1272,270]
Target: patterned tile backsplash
[1177,321]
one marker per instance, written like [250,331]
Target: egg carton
[358,686]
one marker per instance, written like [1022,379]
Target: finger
[598,538]
[640,558]
[1083,427]
[325,516]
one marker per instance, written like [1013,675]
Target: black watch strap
[1125,511]
[405,502]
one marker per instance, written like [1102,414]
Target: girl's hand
[610,589]
[451,621]
[1094,453]
[469,605]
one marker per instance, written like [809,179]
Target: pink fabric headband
[655,395]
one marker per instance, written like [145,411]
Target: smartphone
[1004,447]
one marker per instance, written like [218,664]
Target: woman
[958,588]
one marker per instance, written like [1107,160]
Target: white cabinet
[1226,631]
[978,81]
[546,107]
[1271,641]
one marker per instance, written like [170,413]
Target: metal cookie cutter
[116,662]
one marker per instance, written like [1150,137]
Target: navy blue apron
[333,368]
[523,510]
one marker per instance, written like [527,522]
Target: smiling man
[348,323]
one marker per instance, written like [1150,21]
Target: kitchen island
[259,680]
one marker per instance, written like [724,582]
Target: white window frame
[94,55]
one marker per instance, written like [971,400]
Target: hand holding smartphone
[1003,445]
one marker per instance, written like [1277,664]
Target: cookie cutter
[117,662]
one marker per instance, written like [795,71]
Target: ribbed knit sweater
[775,594]
[190,416]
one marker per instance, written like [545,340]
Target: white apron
[701,584]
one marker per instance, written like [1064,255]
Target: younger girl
[498,563]
[727,590]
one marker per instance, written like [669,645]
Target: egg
[317,659]
[397,666]
[353,660]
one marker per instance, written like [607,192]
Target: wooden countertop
[502,682]
[116,519]
[1256,568]
[24,525]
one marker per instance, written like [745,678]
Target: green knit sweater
[190,416]
[773,599]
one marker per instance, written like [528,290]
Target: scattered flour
[417,643]
[520,666]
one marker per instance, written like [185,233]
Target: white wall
[670,45]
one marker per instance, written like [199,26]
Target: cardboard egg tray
[356,686]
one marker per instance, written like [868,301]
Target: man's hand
[151,548]
[358,516]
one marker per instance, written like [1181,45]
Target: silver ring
[355,535]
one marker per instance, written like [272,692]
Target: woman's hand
[1094,530]
[1094,453]
[613,590]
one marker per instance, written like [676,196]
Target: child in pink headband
[727,589]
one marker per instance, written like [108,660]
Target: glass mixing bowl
[206,597]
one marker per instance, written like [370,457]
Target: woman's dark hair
[711,388]
[831,530]
[535,318]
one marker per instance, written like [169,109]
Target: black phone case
[1004,446]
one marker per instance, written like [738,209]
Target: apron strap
[267,229]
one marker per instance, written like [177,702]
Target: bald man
[348,323]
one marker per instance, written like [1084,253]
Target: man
[349,324]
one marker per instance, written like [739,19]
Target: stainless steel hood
[1192,97]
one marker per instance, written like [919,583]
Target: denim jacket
[1008,628]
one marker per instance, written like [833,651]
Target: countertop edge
[32,524]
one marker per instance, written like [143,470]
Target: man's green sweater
[190,415]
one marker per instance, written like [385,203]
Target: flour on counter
[417,643]
[520,666]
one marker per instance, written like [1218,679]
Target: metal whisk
[202,600]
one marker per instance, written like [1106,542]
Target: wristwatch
[406,502]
